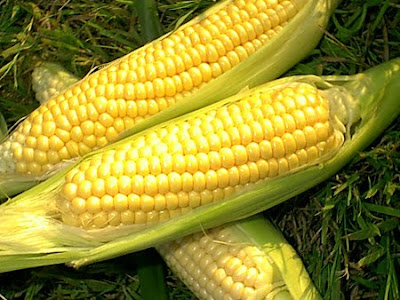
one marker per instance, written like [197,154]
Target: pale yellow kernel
[206,197]
[233,57]
[234,37]
[120,202]
[21,167]
[310,136]
[18,153]
[273,167]
[244,174]
[40,157]
[34,168]
[183,199]
[49,128]
[241,53]
[253,151]
[293,161]
[283,165]
[187,82]
[36,130]
[203,162]
[194,199]
[93,204]
[175,182]
[312,153]
[224,64]
[63,153]
[114,218]
[234,178]
[111,134]
[127,123]
[172,201]
[263,280]
[278,147]
[53,157]
[78,205]
[263,168]
[140,217]
[118,125]
[147,203]
[28,154]
[106,120]
[70,190]
[199,181]
[254,172]
[321,130]
[127,217]
[134,202]
[31,142]
[187,182]
[222,177]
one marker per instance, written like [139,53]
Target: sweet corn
[35,226]
[96,110]
[243,260]
[202,159]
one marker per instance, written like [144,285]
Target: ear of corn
[248,259]
[241,42]
[32,234]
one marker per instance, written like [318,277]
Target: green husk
[283,51]
[23,246]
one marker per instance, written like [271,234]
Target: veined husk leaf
[283,51]
[31,235]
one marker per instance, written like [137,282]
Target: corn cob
[223,262]
[227,40]
[203,159]
[248,260]
[31,233]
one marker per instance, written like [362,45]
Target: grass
[346,229]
